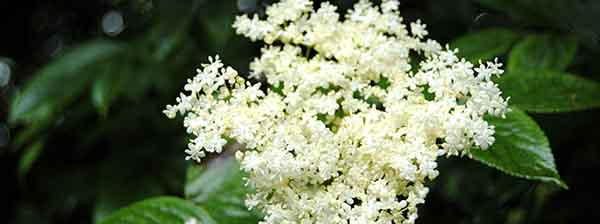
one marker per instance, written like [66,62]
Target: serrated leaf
[542,52]
[160,210]
[485,44]
[220,189]
[46,93]
[549,91]
[521,149]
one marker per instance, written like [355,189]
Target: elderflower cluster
[355,112]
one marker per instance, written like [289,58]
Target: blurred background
[91,137]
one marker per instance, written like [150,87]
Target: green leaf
[102,93]
[521,149]
[109,84]
[29,157]
[111,198]
[45,94]
[24,136]
[485,44]
[159,210]
[543,52]
[549,91]
[220,189]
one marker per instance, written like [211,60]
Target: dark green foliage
[521,149]
[485,44]
[43,96]
[543,52]
[158,211]
[219,188]
[549,91]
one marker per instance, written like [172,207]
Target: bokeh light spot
[112,23]
[4,74]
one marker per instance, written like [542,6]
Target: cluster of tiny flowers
[355,112]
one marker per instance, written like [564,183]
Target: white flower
[418,29]
[347,130]
[191,221]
